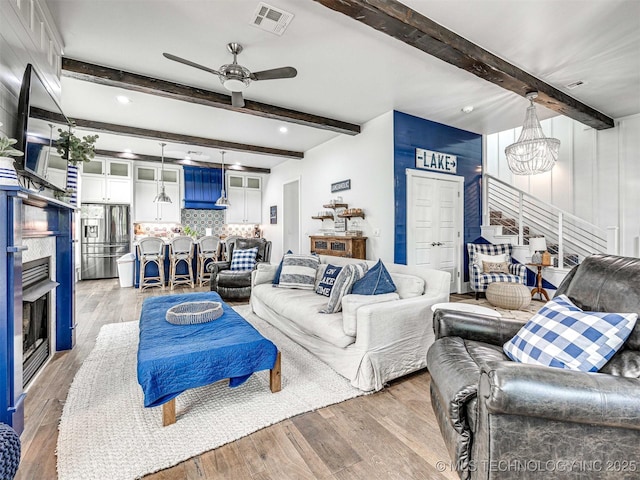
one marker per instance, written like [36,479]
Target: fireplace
[36,316]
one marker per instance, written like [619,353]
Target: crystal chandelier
[533,153]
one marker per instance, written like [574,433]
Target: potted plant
[75,149]
[8,174]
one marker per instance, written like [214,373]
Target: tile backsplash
[200,220]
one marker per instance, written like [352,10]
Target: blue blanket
[175,358]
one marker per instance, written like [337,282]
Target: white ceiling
[346,70]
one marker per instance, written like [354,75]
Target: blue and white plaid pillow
[564,336]
[243,260]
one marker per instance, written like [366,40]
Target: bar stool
[207,250]
[151,250]
[181,250]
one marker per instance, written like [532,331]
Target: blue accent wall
[202,187]
[411,132]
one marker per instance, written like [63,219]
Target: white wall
[366,159]
[27,35]
[597,176]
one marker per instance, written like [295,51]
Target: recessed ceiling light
[237,163]
[123,99]
[284,129]
[467,109]
[127,150]
[187,157]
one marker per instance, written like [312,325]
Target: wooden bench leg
[275,379]
[169,412]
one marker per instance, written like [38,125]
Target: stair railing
[571,234]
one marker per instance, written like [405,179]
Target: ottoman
[510,296]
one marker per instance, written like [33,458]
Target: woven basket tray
[191,313]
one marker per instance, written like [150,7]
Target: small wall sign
[438,161]
[273,214]
[340,186]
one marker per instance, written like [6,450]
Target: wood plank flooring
[391,434]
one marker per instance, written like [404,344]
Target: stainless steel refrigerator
[105,237]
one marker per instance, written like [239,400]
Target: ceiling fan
[234,77]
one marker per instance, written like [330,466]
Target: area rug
[524,314]
[106,433]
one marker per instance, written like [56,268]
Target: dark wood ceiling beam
[177,161]
[154,86]
[408,26]
[95,126]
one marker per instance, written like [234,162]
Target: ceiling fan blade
[275,73]
[190,63]
[236,99]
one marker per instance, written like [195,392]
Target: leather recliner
[233,285]
[507,420]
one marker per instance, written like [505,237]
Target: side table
[538,288]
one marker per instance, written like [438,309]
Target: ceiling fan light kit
[235,77]
[533,153]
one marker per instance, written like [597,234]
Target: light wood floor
[391,434]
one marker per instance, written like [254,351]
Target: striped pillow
[299,271]
[349,275]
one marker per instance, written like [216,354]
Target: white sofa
[391,337]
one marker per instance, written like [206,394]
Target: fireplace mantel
[25,214]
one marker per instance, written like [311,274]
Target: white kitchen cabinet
[146,187]
[106,181]
[245,196]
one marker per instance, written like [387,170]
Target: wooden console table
[339,246]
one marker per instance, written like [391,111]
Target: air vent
[271,19]
[577,84]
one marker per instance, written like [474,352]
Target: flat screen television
[39,118]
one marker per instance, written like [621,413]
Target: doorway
[434,222]
[291,216]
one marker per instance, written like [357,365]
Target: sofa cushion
[376,281]
[301,308]
[299,271]
[408,286]
[244,260]
[327,279]
[351,303]
[349,275]
[562,335]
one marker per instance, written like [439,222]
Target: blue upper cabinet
[202,187]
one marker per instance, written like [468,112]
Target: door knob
[433,244]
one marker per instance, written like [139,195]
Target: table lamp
[536,246]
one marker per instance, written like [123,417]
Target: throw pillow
[299,271]
[243,260]
[375,282]
[349,275]
[328,280]
[564,336]
[481,257]
[276,277]
[498,267]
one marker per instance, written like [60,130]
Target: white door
[434,222]
[291,217]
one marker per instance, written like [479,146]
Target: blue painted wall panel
[411,132]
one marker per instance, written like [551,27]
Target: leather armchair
[234,285]
[506,420]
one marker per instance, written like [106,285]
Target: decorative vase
[8,175]
[536,258]
[72,183]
